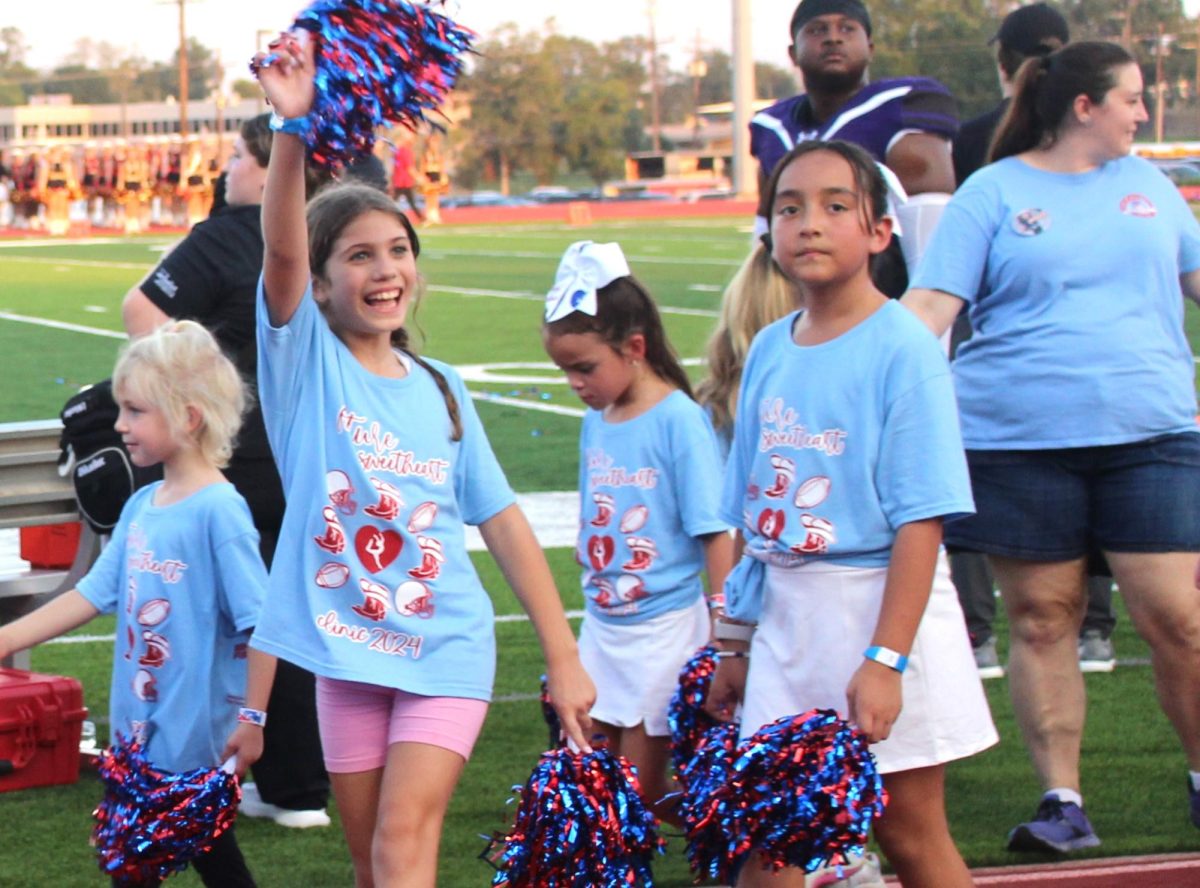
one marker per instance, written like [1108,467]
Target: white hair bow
[584,269]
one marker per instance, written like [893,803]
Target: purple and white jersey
[873,119]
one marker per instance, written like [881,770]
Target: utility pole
[744,180]
[183,67]
[655,113]
[1159,91]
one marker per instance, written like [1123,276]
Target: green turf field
[484,307]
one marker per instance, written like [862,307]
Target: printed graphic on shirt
[1031,222]
[604,509]
[634,518]
[1139,206]
[375,601]
[151,615]
[389,501]
[332,575]
[644,552]
[432,559]
[806,533]
[341,491]
[619,595]
[600,551]
[334,538]
[378,451]
[376,547]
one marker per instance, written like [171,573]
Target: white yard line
[60,325]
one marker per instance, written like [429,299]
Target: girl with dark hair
[383,461]
[649,461]
[846,460]
[1078,401]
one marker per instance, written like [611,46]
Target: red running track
[1156,871]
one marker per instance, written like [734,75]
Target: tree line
[546,104]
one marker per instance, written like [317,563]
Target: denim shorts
[1059,505]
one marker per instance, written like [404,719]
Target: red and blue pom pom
[580,823]
[152,823]
[377,62]
[688,721]
[801,792]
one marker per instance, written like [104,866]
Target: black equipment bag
[92,452]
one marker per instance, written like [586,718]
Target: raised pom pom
[153,823]
[580,823]
[800,792]
[377,62]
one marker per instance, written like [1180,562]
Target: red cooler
[40,720]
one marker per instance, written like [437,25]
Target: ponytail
[1045,91]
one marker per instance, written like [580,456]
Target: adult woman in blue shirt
[1078,401]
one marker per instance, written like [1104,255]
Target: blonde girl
[182,573]
[757,295]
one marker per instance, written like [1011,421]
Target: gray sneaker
[1096,652]
[986,659]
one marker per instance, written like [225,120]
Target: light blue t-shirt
[372,582]
[186,582]
[837,445]
[1072,283]
[649,489]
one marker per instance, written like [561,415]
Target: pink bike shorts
[358,722]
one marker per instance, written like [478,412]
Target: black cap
[1025,30]
[811,9]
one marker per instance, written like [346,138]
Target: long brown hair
[1045,92]
[623,308]
[328,215]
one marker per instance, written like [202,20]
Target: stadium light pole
[744,183]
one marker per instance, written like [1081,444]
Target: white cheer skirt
[817,620]
[636,666]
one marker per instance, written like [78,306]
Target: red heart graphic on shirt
[600,551]
[377,548]
[770,523]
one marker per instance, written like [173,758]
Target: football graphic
[332,575]
[422,518]
[813,492]
[634,519]
[153,612]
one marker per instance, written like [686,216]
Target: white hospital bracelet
[724,630]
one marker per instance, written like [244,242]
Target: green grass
[1132,765]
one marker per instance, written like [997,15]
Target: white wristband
[724,630]
[248,716]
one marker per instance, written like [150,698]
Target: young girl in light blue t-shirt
[183,575]
[846,459]
[649,473]
[383,461]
